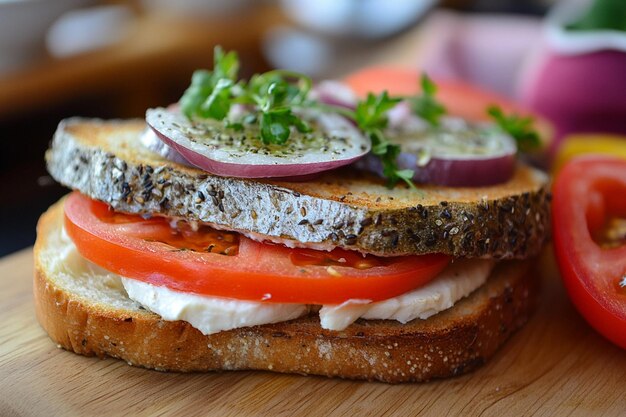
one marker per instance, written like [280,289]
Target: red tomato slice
[236,267]
[589,194]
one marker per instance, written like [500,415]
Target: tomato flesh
[152,251]
[182,236]
[588,205]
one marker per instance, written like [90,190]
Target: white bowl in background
[23,27]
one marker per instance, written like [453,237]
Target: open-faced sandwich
[276,225]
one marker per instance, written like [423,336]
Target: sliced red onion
[335,93]
[456,154]
[150,140]
[477,172]
[209,146]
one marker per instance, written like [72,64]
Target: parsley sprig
[520,128]
[275,94]
[210,94]
[272,97]
[371,117]
[426,105]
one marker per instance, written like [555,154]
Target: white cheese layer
[458,280]
[215,314]
[209,314]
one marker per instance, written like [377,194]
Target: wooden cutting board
[556,365]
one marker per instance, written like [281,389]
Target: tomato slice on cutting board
[589,206]
[226,264]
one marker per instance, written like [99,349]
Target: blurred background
[114,59]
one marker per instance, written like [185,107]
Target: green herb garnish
[271,95]
[210,93]
[274,94]
[371,117]
[425,105]
[520,128]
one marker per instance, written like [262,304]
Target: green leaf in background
[603,15]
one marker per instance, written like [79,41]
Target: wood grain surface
[556,365]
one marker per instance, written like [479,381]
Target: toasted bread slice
[345,208]
[91,314]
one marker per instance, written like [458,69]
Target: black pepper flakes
[422,211]
[395,239]
[430,239]
[125,189]
[351,239]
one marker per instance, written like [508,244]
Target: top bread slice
[347,208]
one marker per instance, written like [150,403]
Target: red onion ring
[151,141]
[335,93]
[474,172]
[169,127]
[443,166]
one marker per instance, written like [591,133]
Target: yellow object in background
[589,143]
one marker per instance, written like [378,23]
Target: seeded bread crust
[447,344]
[346,208]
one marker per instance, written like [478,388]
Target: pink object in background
[577,78]
[580,93]
[486,50]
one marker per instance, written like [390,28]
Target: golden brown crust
[450,343]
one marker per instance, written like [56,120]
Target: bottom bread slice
[92,317]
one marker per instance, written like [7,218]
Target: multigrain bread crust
[350,209]
[450,343]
